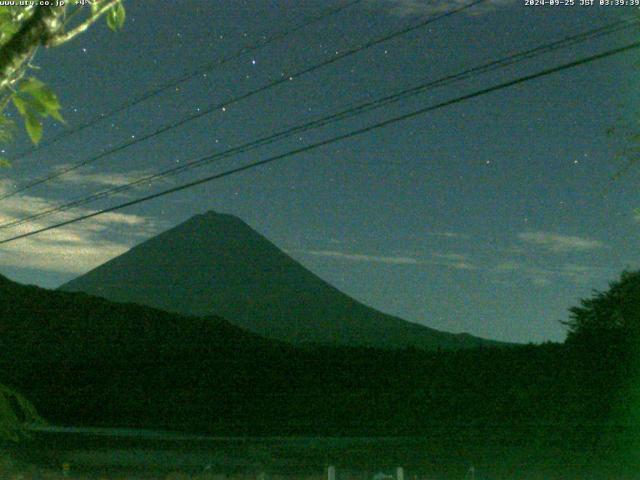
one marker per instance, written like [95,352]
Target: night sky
[492,216]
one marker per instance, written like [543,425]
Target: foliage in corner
[33,100]
[11,18]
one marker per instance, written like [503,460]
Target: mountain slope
[55,326]
[86,360]
[216,264]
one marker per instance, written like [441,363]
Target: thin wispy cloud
[582,274]
[358,257]
[574,273]
[74,248]
[447,234]
[577,274]
[104,179]
[507,266]
[455,257]
[457,261]
[417,8]
[449,260]
[557,243]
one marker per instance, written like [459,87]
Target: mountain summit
[216,264]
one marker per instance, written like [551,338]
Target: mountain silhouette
[53,326]
[216,264]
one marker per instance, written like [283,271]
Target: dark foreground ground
[448,453]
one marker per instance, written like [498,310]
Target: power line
[218,106]
[341,115]
[345,136]
[188,76]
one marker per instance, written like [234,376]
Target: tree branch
[61,38]
[43,25]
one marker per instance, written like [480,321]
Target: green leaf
[111,19]
[33,126]
[121,15]
[30,84]
[44,100]
[39,98]
[4,163]
[20,105]
[35,101]
[31,121]
[7,24]
[116,17]
[56,114]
